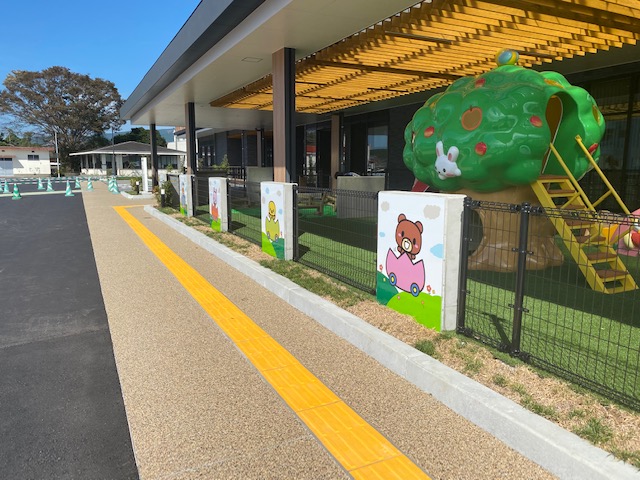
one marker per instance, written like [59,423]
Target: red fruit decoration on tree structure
[500,125]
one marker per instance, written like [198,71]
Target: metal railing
[521,292]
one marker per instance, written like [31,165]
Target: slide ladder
[576,220]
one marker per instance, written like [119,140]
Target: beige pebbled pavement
[198,409]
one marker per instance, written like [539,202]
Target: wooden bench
[315,201]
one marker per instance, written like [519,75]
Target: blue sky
[116,40]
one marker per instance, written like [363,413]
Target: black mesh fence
[337,234]
[336,228]
[566,303]
[174,195]
[625,183]
[244,203]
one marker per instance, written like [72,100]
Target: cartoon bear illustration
[408,236]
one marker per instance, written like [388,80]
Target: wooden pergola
[433,43]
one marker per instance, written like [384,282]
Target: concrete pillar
[154,155]
[284,109]
[336,147]
[260,147]
[185,194]
[219,204]
[145,172]
[423,281]
[277,224]
[190,126]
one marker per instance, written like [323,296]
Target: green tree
[10,139]
[140,134]
[13,139]
[59,102]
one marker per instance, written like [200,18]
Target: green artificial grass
[357,232]
[601,349]
[351,263]
[246,226]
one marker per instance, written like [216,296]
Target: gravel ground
[197,408]
[606,425]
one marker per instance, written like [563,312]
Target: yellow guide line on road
[357,446]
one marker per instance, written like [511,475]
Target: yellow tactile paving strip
[357,446]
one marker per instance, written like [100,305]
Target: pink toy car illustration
[405,274]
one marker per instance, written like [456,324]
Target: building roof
[352,55]
[31,149]
[130,148]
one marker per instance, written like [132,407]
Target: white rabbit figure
[446,164]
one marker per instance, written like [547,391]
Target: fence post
[229,209]
[518,309]
[464,266]
[194,195]
[296,252]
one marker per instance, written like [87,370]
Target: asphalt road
[61,406]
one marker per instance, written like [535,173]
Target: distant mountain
[166,133]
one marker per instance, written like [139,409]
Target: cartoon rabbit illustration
[446,164]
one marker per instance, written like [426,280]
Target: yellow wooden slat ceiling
[431,44]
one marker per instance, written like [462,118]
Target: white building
[25,161]
[129,159]
[179,140]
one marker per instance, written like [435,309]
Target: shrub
[135,183]
[168,193]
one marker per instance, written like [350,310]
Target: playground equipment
[516,135]
[581,228]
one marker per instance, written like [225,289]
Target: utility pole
[113,152]
[55,139]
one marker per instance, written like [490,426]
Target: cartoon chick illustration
[271,225]
[272,210]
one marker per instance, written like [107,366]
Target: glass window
[6,166]
[33,157]
[131,162]
[633,153]
[168,160]
[309,167]
[612,98]
[377,149]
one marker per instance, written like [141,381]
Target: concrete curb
[140,196]
[560,452]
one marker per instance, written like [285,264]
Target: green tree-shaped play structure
[488,137]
